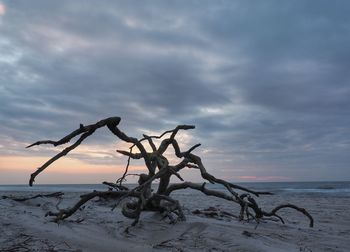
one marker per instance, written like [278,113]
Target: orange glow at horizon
[2,9]
[68,166]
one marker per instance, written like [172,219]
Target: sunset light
[174,125]
[15,170]
[2,9]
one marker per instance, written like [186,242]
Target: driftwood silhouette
[141,198]
[56,195]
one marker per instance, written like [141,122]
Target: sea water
[328,187]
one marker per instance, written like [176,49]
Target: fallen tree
[142,198]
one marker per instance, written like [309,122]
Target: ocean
[326,188]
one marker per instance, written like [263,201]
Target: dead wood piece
[65,213]
[56,195]
[274,211]
[213,212]
[141,197]
[116,186]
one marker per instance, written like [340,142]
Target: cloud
[2,9]
[266,83]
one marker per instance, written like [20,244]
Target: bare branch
[141,198]
[59,155]
[274,211]
[179,127]
[116,186]
[129,154]
[150,141]
[65,213]
[124,137]
[80,130]
[56,194]
[199,187]
[197,160]
[122,178]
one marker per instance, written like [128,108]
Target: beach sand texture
[24,227]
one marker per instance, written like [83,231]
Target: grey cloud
[266,83]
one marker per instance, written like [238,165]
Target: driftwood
[20,199]
[141,198]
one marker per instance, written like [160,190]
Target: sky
[266,83]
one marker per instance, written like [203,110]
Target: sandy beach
[24,227]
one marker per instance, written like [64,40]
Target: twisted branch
[158,167]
